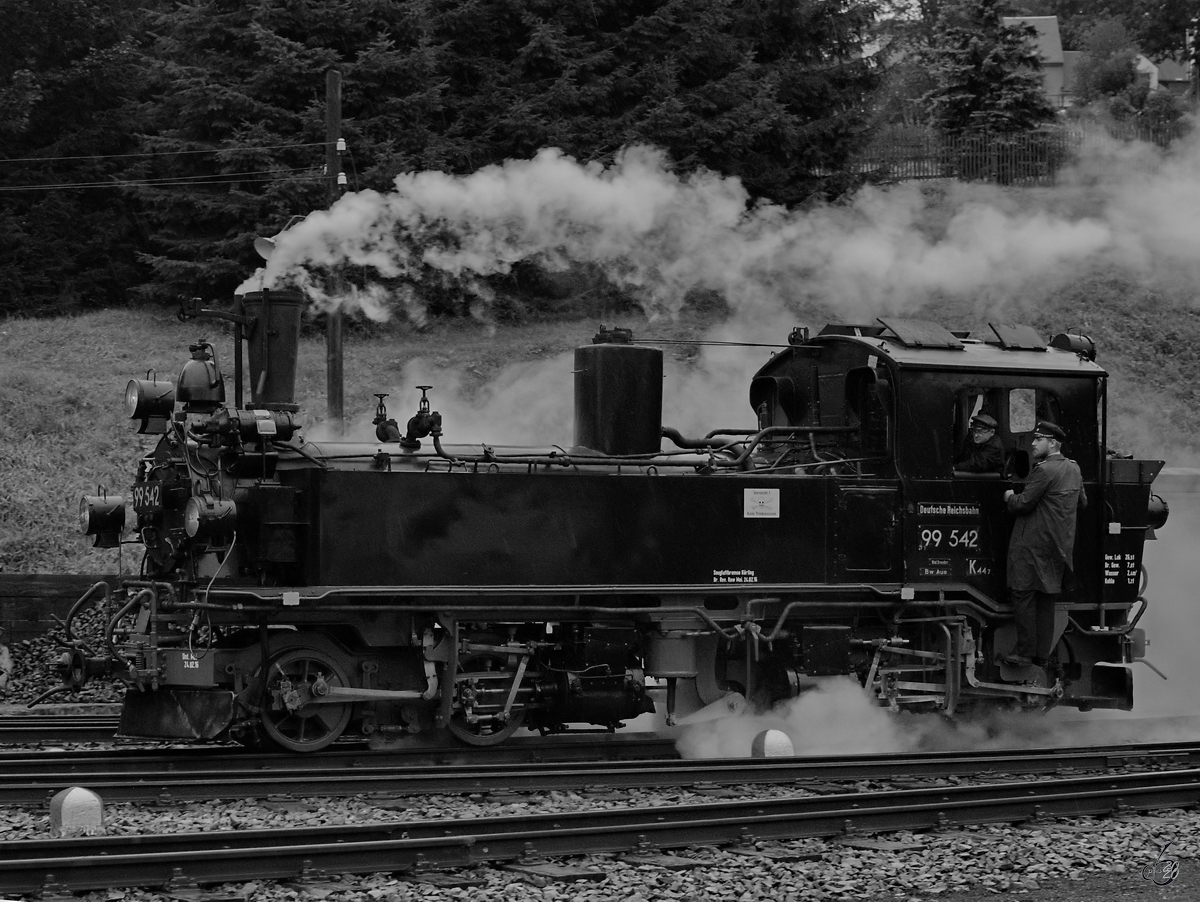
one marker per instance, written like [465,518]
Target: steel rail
[46,866]
[171,760]
[18,729]
[31,781]
[636,748]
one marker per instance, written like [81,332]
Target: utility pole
[335,184]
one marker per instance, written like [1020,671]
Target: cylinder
[670,655]
[272,345]
[618,399]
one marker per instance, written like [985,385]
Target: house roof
[1048,41]
[1169,70]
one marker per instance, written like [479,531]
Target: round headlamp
[102,516]
[1157,513]
[150,401]
[206,517]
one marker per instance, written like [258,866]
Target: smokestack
[273,343]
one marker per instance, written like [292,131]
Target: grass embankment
[63,430]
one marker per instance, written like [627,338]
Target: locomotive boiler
[301,591]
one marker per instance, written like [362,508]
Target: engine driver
[981,452]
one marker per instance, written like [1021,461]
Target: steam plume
[659,235]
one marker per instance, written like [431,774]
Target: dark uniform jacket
[1043,538]
[985,457]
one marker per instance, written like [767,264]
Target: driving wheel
[289,718]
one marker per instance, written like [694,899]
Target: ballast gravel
[1130,855]
[31,677]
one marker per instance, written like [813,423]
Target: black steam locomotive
[300,591]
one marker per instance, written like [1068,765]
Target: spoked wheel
[289,717]
[481,691]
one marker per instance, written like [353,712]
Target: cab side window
[1022,410]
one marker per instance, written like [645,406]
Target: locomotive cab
[955,524]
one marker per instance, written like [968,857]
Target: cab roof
[926,345]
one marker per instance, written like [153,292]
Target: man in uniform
[982,451]
[1043,538]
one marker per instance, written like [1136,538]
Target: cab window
[1022,410]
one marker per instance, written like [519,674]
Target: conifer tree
[770,92]
[70,80]
[240,127]
[217,107]
[986,72]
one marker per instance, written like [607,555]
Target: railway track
[176,861]
[183,775]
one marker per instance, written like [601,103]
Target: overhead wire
[156,153]
[220,178]
[711,344]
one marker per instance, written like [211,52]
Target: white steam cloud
[659,235]
[840,718]
[532,403]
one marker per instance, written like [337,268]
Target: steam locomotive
[299,591]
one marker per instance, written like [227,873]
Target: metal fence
[1162,135]
[1028,158]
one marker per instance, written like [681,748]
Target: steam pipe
[709,441]
[691,443]
[77,608]
[759,436]
[437,447]
[112,627]
[281,446]
[466,609]
[657,460]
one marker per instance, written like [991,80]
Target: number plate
[941,538]
[148,497]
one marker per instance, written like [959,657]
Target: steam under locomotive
[304,591]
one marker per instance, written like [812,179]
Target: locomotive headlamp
[102,516]
[206,517]
[150,401]
[1157,513]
